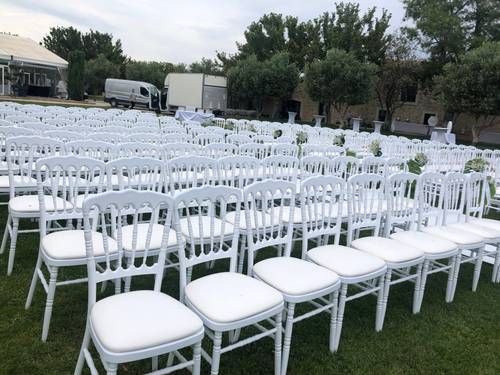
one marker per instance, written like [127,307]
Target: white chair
[314,165]
[443,204]
[374,164]
[63,135]
[207,138]
[285,149]
[139,149]
[238,171]
[104,151]
[140,324]
[345,166]
[22,153]
[365,205]
[186,172]
[63,183]
[139,173]
[225,301]
[108,137]
[219,150]
[256,150]
[174,150]
[280,167]
[322,207]
[238,139]
[298,280]
[403,194]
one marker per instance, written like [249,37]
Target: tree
[446,29]
[471,86]
[399,70]
[76,70]
[206,66]
[251,82]
[152,71]
[96,72]
[339,81]
[63,40]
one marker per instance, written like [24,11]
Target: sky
[165,30]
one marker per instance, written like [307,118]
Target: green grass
[458,338]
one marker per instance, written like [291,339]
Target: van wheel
[113,103]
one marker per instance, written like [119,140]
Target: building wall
[409,112]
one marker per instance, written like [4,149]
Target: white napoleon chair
[207,138]
[238,171]
[322,205]
[145,138]
[442,206]
[108,137]
[6,132]
[238,139]
[374,164]
[314,165]
[280,167]
[477,190]
[225,301]
[395,165]
[22,153]
[365,205]
[403,195]
[345,166]
[63,183]
[175,138]
[63,135]
[140,324]
[298,280]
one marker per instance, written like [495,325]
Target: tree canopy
[96,72]
[340,80]
[76,70]
[472,84]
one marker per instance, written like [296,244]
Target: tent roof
[27,50]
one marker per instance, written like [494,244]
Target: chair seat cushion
[30,203]
[426,242]
[141,319]
[142,234]
[489,223]
[18,182]
[391,251]
[218,225]
[70,244]
[294,276]
[458,236]
[311,214]
[229,296]
[477,229]
[345,261]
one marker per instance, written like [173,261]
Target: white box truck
[194,90]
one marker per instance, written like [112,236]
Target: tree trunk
[327,113]
[475,134]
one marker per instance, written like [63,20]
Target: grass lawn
[458,338]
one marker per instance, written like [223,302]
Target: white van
[131,93]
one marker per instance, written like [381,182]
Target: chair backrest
[478,191]
[401,194]
[365,202]
[280,167]
[22,153]
[203,230]
[373,164]
[63,135]
[219,150]
[139,173]
[105,260]
[454,198]
[345,166]
[104,151]
[207,138]
[256,150]
[108,137]
[63,183]
[322,209]
[431,194]
[314,166]
[238,171]
[269,209]
[154,138]
[148,150]
[186,172]
[285,149]
[238,139]
[175,150]
[395,165]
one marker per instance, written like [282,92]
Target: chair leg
[241,260]
[287,341]
[340,317]
[422,269]
[154,363]
[458,263]
[496,266]
[197,358]
[13,241]
[216,353]
[278,344]
[81,356]
[50,301]
[334,312]
[451,272]
[5,235]
[34,281]
[477,268]
[379,317]
[387,286]
[112,369]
